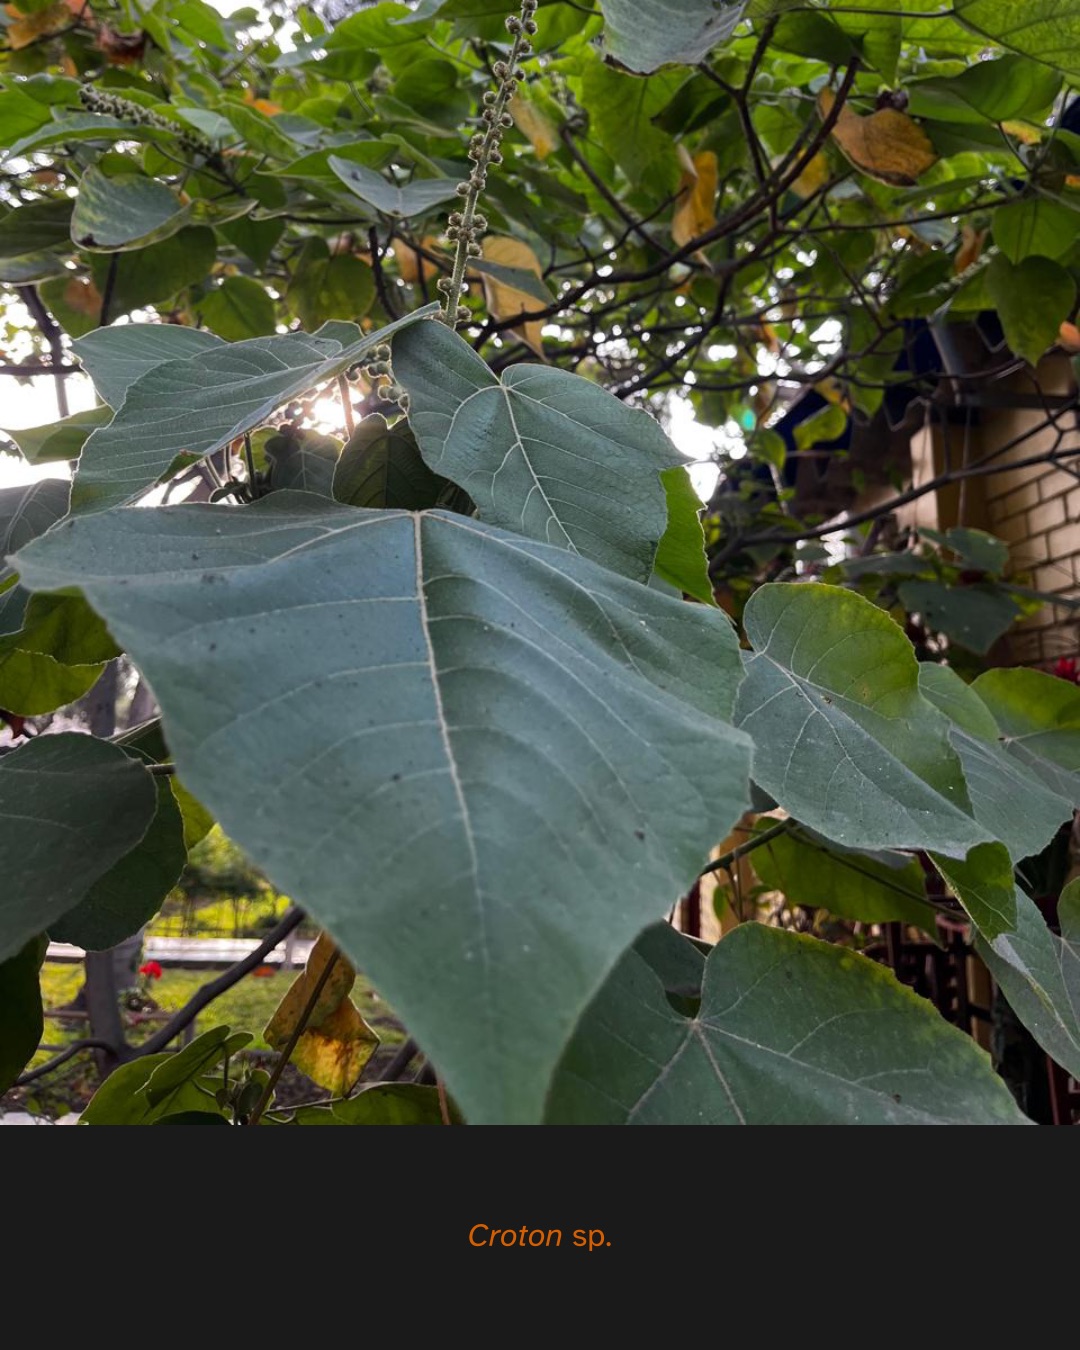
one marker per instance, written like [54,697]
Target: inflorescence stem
[466,225]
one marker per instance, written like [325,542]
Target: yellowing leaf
[504,302]
[971,246]
[413,265]
[886,145]
[336,1042]
[81,295]
[292,1006]
[27,28]
[1069,336]
[697,196]
[263,105]
[333,1055]
[813,178]
[534,125]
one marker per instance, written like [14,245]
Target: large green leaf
[70,808]
[540,451]
[59,440]
[237,309]
[790,1031]
[122,1098]
[381,466]
[622,109]
[29,510]
[303,460]
[1035,225]
[646,34]
[380,1104]
[1032,298]
[22,1019]
[867,887]
[1038,717]
[454,710]
[35,227]
[407,199]
[1039,973]
[133,891]
[972,616]
[152,275]
[1008,795]
[201,403]
[680,556]
[1000,90]
[128,211]
[1047,30]
[843,738]
[328,286]
[115,358]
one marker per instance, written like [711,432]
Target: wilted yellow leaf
[292,1006]
[1069,337]
[263,105]
[27,28]
[504,302]
[813,178]
[886,145]
[336,1042]
[694,213]
[972,242]
[411,265]
[534,125]
[334,1054]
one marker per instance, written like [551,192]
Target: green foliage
[433,669]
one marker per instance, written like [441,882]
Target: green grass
[247,1006]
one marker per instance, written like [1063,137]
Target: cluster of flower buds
[379,371]
[466,226]
[112,105]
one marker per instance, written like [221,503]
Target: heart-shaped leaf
[492,762]
[540,451]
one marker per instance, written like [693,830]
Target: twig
[76,1049]
[346,406]
[213,988]
[724,863]
[50,331]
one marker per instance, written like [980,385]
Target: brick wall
[1035,509]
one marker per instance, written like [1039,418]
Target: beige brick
[1013,529]
[1013,492]
[1054,484]
[1072,504]
[1054,577]
[1026,552]
[1046,515]
[1064,542]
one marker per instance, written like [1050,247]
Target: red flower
[1065,669]
[261,972]
[151,969]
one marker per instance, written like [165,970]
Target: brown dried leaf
[27,28]
[886,145]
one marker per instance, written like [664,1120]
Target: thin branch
[75,1049]
[50,331]
[724,863]
[213,988]
[296,1033]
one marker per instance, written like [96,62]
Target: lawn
[248,1006]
